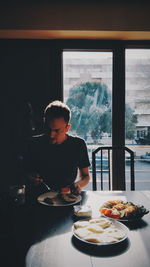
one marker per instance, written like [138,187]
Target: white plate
[131,219]
[57,202]
[116,224]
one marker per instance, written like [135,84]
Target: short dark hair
[57,109]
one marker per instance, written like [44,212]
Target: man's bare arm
[83,181]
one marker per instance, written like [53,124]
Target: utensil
[47,187]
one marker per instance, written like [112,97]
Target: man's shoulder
[76,139]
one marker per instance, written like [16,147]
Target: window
[121,72]
[87,81]
[138,112]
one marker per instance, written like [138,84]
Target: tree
[90,103]
[130,123]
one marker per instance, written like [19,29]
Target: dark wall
[102,15]
[28,82]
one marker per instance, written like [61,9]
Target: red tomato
[65,190]
[106,211]
[115,216]
[103,210]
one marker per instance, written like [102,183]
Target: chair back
[103,162]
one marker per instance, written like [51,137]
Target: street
[142,177]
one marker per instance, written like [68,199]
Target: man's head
[56,120]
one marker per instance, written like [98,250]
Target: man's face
[57,129]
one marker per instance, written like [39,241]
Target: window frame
[118,89]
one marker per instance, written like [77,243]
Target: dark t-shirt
[57,164]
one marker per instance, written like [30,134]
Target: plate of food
[100,231]
[123,210]
[58,199]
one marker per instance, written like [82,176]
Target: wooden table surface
[41,236]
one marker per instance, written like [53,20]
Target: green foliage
[90,103]
[130,123]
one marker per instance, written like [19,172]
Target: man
[55,156]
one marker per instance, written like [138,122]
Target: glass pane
[138,113]
[87,87]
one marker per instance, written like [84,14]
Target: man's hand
[75,188]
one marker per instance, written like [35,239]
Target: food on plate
[115,202]
[55,198]
[95,228]
[94,238]
[104,223]
[65,190]
[83,211]
[118,209]
[116,233]
[82,232]
[130,210]
[103,238]
[48,200]
[68,197]
[119,206]
[80,224]
[92,231]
